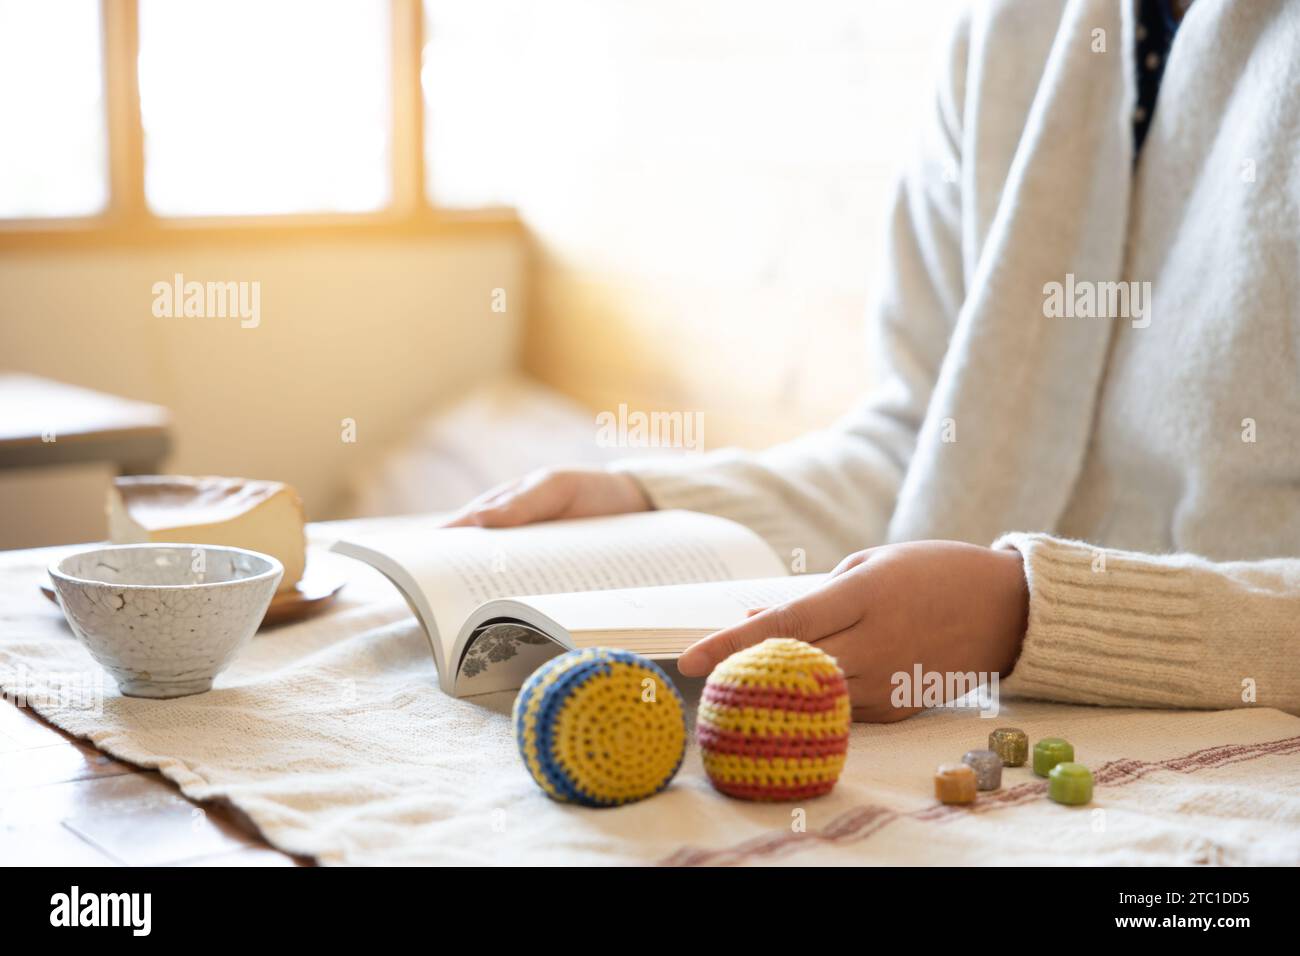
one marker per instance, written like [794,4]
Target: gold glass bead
[1011,744]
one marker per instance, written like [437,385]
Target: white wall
[707,183]
[373,330]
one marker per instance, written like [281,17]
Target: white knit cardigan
[991,411]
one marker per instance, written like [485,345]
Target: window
[54,157]
[251,107]
[161,118]
[475,99]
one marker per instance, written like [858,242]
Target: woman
[1082,471]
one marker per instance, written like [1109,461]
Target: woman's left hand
[948,606]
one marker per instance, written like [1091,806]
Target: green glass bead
[1070,783]
[1011,744]
[1050,751]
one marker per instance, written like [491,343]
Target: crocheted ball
[600,727]
[773,723]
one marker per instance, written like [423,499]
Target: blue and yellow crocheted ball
[600,727]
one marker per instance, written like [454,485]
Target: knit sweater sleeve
[1127,629]
[832,492]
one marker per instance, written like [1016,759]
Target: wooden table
[63,803]
[43,423]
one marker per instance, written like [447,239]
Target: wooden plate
[320,584]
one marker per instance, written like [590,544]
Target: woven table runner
[331,736]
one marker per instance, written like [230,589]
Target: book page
[686,607]
[457,569]
[506,639]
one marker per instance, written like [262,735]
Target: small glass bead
[1011,744]
[1070,783]
[1050,751]
[987,766]
[954,783]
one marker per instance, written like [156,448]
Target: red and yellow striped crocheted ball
[773,723]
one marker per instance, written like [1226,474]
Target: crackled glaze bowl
[165,619]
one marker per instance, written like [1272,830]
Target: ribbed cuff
[1107,627]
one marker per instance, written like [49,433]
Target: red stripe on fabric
[863,822]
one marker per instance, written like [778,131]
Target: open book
[496,604]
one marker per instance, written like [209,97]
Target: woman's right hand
[550,494]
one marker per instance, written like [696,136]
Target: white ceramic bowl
[165,619]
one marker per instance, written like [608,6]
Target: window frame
[127,219]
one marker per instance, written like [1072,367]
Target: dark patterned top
[1157,23]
